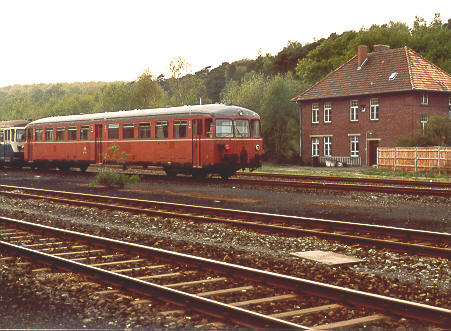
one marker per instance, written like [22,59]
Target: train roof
[13,123]
[213,110]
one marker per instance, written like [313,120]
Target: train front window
[20,135]
[180,128]
[256,132]
[113,131]
[242,129]
[224,128]
[49,134]
[161,129]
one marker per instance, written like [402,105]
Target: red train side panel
[190,139]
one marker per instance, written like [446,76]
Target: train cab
[12,141]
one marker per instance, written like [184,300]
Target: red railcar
[195,140]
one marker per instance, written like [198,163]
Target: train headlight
[257,147]
[227,147]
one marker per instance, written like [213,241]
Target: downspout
[300,130]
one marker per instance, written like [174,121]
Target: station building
[369,102]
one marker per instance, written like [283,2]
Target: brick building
[370,101]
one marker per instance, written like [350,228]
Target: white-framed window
[354,146]
[353,111]
[327,112]
[327,146]
[424,99]
[315,146]
[374,109]
[315,113]
[424,119]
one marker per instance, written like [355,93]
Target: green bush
[110,178]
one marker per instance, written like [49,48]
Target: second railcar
[195,140]
[12,141]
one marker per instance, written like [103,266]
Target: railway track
[337,183]
[237,295]
[427,243]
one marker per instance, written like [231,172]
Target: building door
[372,155]
[98,142]
[196,143]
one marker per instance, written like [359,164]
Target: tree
[438,130]
[147,93]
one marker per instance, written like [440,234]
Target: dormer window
[425,99]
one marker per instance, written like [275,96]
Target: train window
[180,128]
[256,131]
[13,134]
[30,134]
[144,130]
[224,128]
[242,129]
[20,135]
[113,131]
[7,135]
[161,129]
[49,134]
[208,127]
[60,133]
[128,131]
[2,136]
[38,134]
[84,132]
[72,133]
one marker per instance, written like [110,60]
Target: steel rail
[399,182]
[349,187]
[330,229]
[207,306]
[386,305]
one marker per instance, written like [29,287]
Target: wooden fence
[414,158]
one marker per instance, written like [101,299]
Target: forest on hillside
[265,84]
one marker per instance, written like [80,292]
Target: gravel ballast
[421,279]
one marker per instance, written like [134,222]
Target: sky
[53,41]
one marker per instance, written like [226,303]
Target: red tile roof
[413,73]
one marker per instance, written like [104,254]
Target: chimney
[362,52]
[380,48]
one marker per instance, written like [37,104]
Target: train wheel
[226,174]
[63,167]
[83,167]
[199,174]
[170,173]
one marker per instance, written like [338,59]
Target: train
[12,142]
[195,140]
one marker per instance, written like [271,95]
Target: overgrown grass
[353,172]
[406,174]
[113,178]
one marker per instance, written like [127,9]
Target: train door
[29,144]
[196,143]
[98,142]
[2,145]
